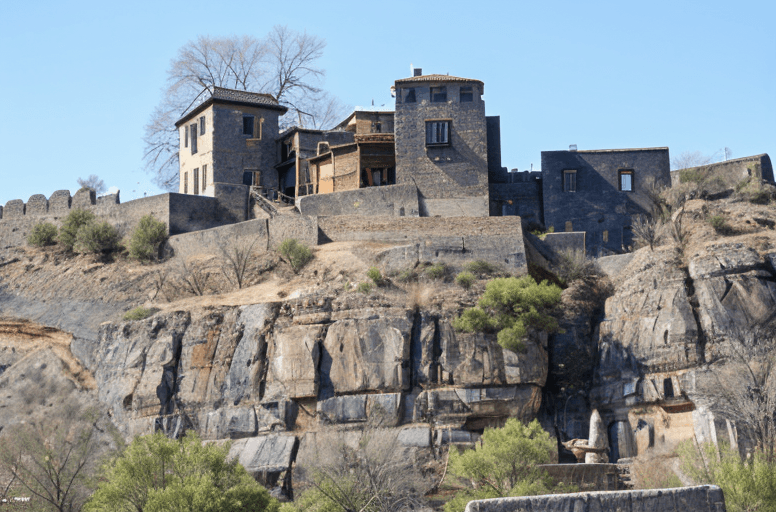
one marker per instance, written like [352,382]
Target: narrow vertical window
[185,183]
[202,125]
[626,180]
[204,177]
[196,181]
[570,181]
[193,132]
[248,126]
[186,136]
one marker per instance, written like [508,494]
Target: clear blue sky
[80,79]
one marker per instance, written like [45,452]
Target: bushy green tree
[158,474]
[295,253]
[510,306]
[146,238]
[43,234]
[749,484]
[97,237]
[73,222]
[504,464]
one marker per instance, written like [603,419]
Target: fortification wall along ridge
[180,212]
[730,172]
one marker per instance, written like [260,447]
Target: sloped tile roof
[219,93]
[436,78]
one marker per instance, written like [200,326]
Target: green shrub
[146,238]
[72,223]
[374,274]
[720,224]
[139,313]
[482,268]
[97,237]
[505,463]
[406,275]
[43,234]
[510,306]
[365,288]
[465,279]
[748,484]
[693,175]
[435,271]
[760,197]
[295,253]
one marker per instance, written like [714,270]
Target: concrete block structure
[229,138]
[600,192]
[442,144]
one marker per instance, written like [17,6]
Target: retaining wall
[704,498]
[212,241]
[434,239]
[390,201]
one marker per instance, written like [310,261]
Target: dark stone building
[599,192]
[442,143]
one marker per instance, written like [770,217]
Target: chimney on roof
[417,72]
[572,147]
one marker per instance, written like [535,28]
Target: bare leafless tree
[194,277]
[235,259]
[647,231]
[741,384]
[690,159]
[93,182]
[374,474]
[282,64]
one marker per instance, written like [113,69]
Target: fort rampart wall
[181,212]
[388,201]
[731,172]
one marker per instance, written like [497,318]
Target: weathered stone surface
[293,354]
[468,359]
[596,439]
[242,380]
[361,355]
[343,409]
[649,321]
[206,355]
[735,290]
[453,406]
[228,423]
[272,453]
[139,358]
[704,498]
[416,436]
[444,436]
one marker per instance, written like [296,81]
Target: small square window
[570,181]
[467,94]
[626,180]
[409,96]
[437,133]
[202,125]
[438,94]
[248,126]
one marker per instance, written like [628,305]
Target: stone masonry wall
[733,171]
[235,152]
[704,498]
[389,201]
[182,213]
[597,206]
[450,240]
[452,180]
